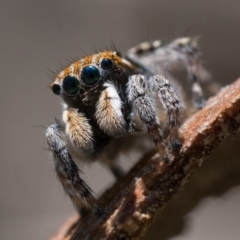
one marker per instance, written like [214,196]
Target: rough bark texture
[131,204]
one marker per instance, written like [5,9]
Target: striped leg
[68,172]
[172,105]
[144,105]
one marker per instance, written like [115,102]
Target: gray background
[39,36]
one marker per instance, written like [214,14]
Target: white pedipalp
[108,111]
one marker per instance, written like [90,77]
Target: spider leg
[69,189]
[171,104]
[156,57]
[188,48]
[141,101]
[68,172]
[193,74]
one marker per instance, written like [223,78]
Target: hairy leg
[156,57]
[144,105]
[68,172]
[171,104]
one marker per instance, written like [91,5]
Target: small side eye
[90,75]
[106,64]
[70,85]
[56,89]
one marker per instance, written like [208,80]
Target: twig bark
[131,204]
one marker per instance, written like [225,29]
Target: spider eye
[106,64]
[56,89]
[70,85]
[90,75]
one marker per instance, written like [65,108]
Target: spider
[107,98]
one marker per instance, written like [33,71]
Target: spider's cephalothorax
[107,97]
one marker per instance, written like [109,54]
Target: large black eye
[56,89]
[70,85]
[90,75]
[106,64]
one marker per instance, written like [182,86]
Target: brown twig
[131,204]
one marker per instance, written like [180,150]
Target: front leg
[68,172]
[188,48]
[141,101]
[172,105]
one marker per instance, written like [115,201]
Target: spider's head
[82,82]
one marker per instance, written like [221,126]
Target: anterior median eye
[106,64]
[90,75]
[70,85]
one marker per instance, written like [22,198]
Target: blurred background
[39,37]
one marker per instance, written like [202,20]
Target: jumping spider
[107,97]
